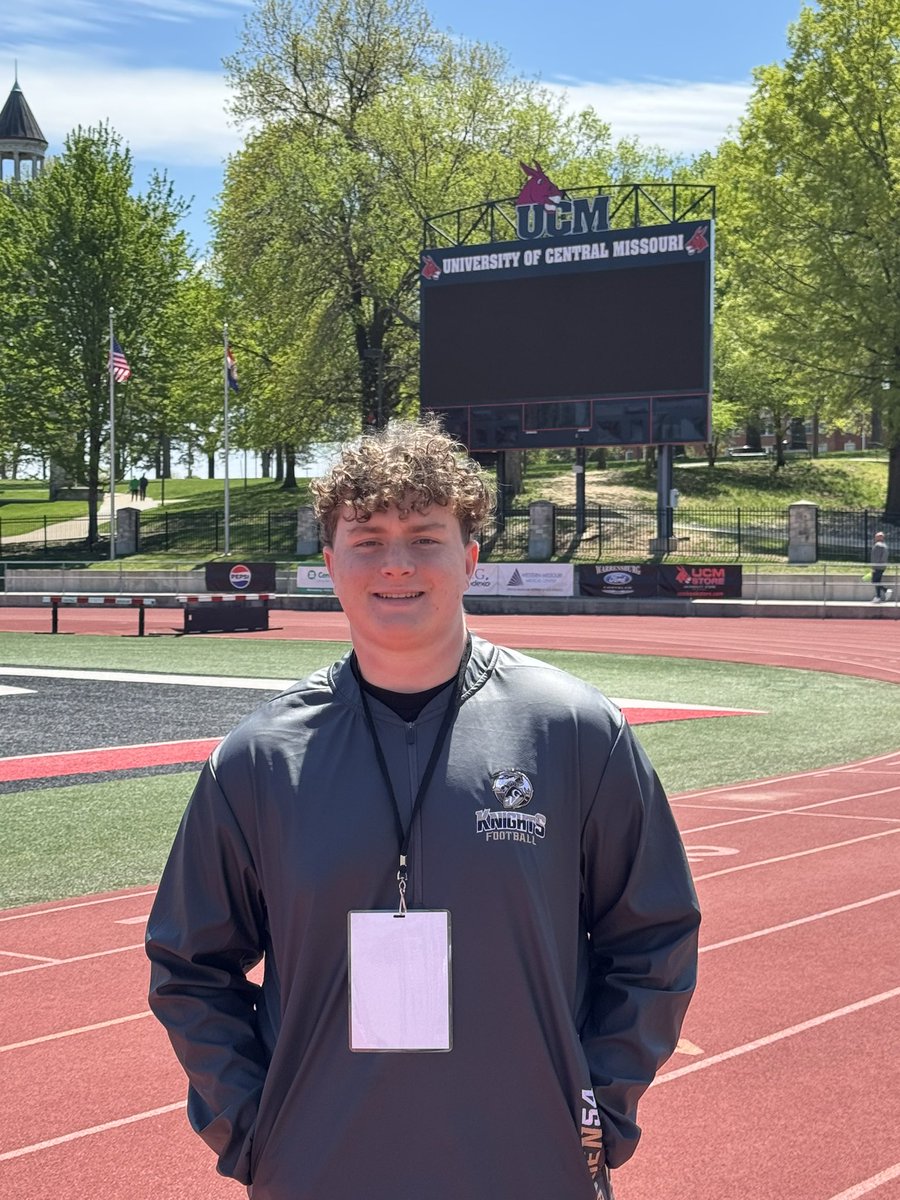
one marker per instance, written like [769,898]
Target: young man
[427,772]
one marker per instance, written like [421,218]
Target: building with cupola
[22,145]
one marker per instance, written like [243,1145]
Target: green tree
[814,208]
[82,242]
[366,120]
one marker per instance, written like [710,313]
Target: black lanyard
[404,836]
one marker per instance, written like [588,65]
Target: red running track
[847,647]
[784,1086]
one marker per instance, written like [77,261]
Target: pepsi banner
[700,582]
[240,577]
[621,580]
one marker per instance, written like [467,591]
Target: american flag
[118,363]
[231,370]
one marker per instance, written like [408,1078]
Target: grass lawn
[69,840]
[841,483]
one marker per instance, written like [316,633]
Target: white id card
[399,980]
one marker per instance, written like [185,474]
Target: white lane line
[64,1033]
[799,808]
[43,958]
[14,691]
[765,862]
[819,916]
[63,962]
[816,773]
[141,920]
[870,1184]
[82,1133]
[222,681]
[43,912]
[771,1038]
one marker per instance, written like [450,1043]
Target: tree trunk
[290,461]
[166,472]
[815,433]
[279,463]
[93,484]
[513,472]
[266,459]
[211,466]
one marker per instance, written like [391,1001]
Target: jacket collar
[478,670]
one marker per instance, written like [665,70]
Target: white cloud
[682,117]
[58,18]
[171,116]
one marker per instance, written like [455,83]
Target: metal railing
[614,532]
[605,533]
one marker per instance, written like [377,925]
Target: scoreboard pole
[664,479]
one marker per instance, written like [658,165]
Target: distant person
[142,487]
[133,487]
[879,559]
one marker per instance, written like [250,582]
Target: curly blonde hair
[409,464]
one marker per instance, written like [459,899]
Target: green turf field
[62,841]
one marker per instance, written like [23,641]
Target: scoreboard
[602,339]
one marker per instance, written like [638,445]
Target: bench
[141,603]
[225,613]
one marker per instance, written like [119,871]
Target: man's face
[401,578]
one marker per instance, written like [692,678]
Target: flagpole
[227,489]
[112,441]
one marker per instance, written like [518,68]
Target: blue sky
[675,75]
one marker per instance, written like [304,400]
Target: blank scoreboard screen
[612,356]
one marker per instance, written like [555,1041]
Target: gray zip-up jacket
[574,941]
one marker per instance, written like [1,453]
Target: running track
[784,1086]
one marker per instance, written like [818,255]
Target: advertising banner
[535,579]
[240,577]
[618,580]
[711,583]
[485,581]
[313,577]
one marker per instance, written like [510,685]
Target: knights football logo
[512,788]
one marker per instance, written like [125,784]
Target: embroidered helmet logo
[512,788]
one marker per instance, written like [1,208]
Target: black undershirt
[407,705]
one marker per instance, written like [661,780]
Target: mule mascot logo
[698,241]
[538,189]
[430,269]
[542,211]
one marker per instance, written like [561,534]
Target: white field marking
[64,962]
[814,773]
[279,685]
[222,681]
[64,1033]
[716,708]
[765,862]
[800,808]
[34,957]
[141,920]
[14,691]
[771,1038]
[870,1184]
[819,916]
[42,912]
[82,1133]
[14,758]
